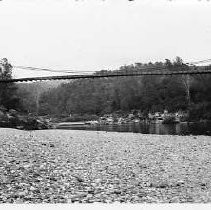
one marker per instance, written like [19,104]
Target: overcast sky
[95,34]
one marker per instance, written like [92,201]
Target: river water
[151,128]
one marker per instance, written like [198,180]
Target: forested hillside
[123,94]
[29,94]
[110,95]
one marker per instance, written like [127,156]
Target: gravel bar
[68,166]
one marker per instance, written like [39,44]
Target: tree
[124,94]
[8,96]
[185,78]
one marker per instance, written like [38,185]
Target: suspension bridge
[184,70]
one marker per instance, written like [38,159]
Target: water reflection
[150,128]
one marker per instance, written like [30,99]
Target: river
[150,128]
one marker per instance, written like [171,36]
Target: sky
[91,35]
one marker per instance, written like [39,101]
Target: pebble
[66,166]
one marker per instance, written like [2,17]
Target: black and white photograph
[105,102]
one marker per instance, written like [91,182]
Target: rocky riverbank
[13,119]
[66,166]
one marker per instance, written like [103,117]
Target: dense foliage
[8,91]
[123,94]
[91,97]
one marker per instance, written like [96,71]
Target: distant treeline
[144,93]
[121,94]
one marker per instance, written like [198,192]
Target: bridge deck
[201,70]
